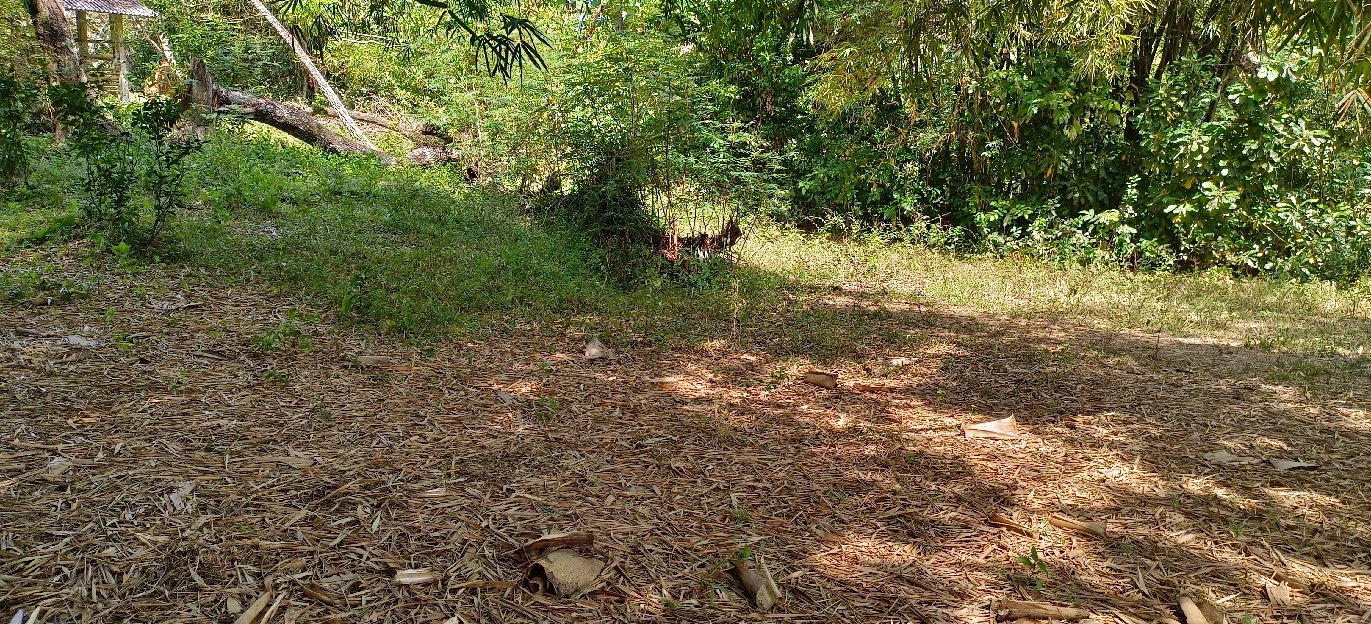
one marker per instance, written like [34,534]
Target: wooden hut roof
[132,8]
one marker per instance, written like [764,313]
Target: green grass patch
[422,252]
[416,251]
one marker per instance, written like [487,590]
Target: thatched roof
[120,7]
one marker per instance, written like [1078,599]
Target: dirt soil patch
[189,453]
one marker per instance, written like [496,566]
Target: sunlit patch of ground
[214,445]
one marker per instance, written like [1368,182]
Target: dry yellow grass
[1271,314]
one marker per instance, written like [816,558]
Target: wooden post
[121,55]
[82,35]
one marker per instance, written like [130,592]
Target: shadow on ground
[1117,425]
[211,448]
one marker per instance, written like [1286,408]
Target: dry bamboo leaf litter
[314,488]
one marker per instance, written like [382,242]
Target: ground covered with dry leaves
[176,451]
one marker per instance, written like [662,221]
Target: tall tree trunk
[303,55]
[53,29]
[54,32]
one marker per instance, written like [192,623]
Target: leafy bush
[239,48]
[1264,184]
[21,102]
[1257,174]
[651,151]
[132,180]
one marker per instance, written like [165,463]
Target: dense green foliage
[1168,135]
[1123,132]
[131,183]
[1152,135]
[20,98]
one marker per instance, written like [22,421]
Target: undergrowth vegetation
[413,250]
[659,162]
[421,252]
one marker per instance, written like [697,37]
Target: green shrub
[649,150]
[132,183]
[1258,174]
[21,112]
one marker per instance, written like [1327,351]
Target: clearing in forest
[174,450]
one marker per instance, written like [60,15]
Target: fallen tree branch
[160,43]
[288,119]
[404,127]
[1019,609]
[317,76]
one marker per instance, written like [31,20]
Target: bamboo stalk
[332,96]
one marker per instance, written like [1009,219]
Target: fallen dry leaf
[485,585]
[1001,520]
[1083,527]
[1200,611]
[266,615]
[415,576]
[1278,594]
[556,541]
[821,379]
[1226,458]
[320,594]
[866,386]
[756,579]
[76,356]
[595,350]
[1292,464]
[58,466]
[178,498]
[368,361]
[1002,429]
[209,355]
[82,341]
[258,606]
[565,572]
[293,462]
